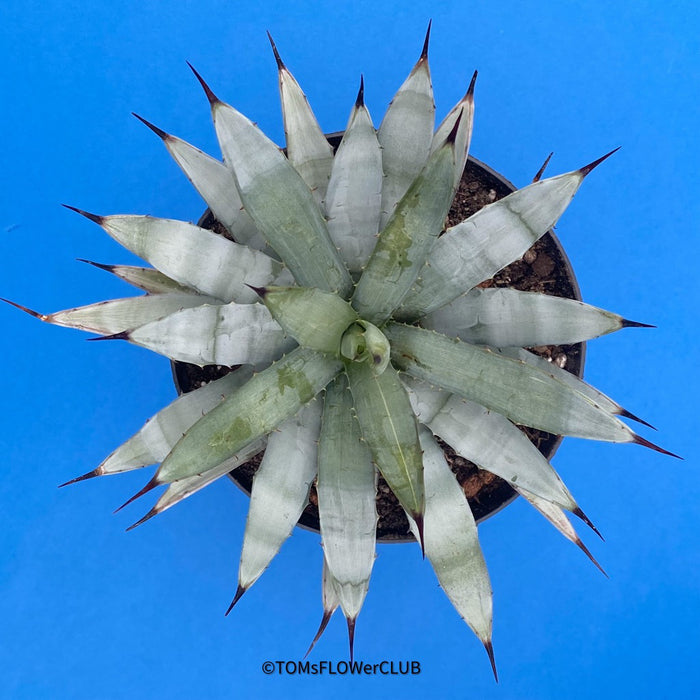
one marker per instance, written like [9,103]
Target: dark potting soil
[543,268]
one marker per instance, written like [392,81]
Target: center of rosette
[364,342]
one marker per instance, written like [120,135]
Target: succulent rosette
[359,333]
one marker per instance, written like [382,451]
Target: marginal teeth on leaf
[280,491]
[525,394]
[354,196]
[280,203]
[215,183]
[253,411]
[113,318]
[184,253]
[145,278]
[406,241]
[181,489]
[216,334]
[405,135]
[510,318]
[487,241]
[389,428]
[347,492]
[308,149]
[493,443]
[452,544]
[159,435]
[572,380]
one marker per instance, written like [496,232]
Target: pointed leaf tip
[424,52]
[280,62]
[260,291]
[489,650]
[89,475]
[584,549]
[148,487]
[158,132]
[470,89]
[639,440]
[27,310]
[626,414]
[580,514]
[626,323]
[123,335]
[101,266]
[452,136]
[213,99]
[587,168]
[321,629]
[351,636]
[540,172]
[239,593]
[146,517]
[93,217]
[418,518]
[360,101]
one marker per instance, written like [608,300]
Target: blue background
[89,611]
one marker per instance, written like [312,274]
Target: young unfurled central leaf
[364,342]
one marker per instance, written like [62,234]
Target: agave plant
[359,334]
